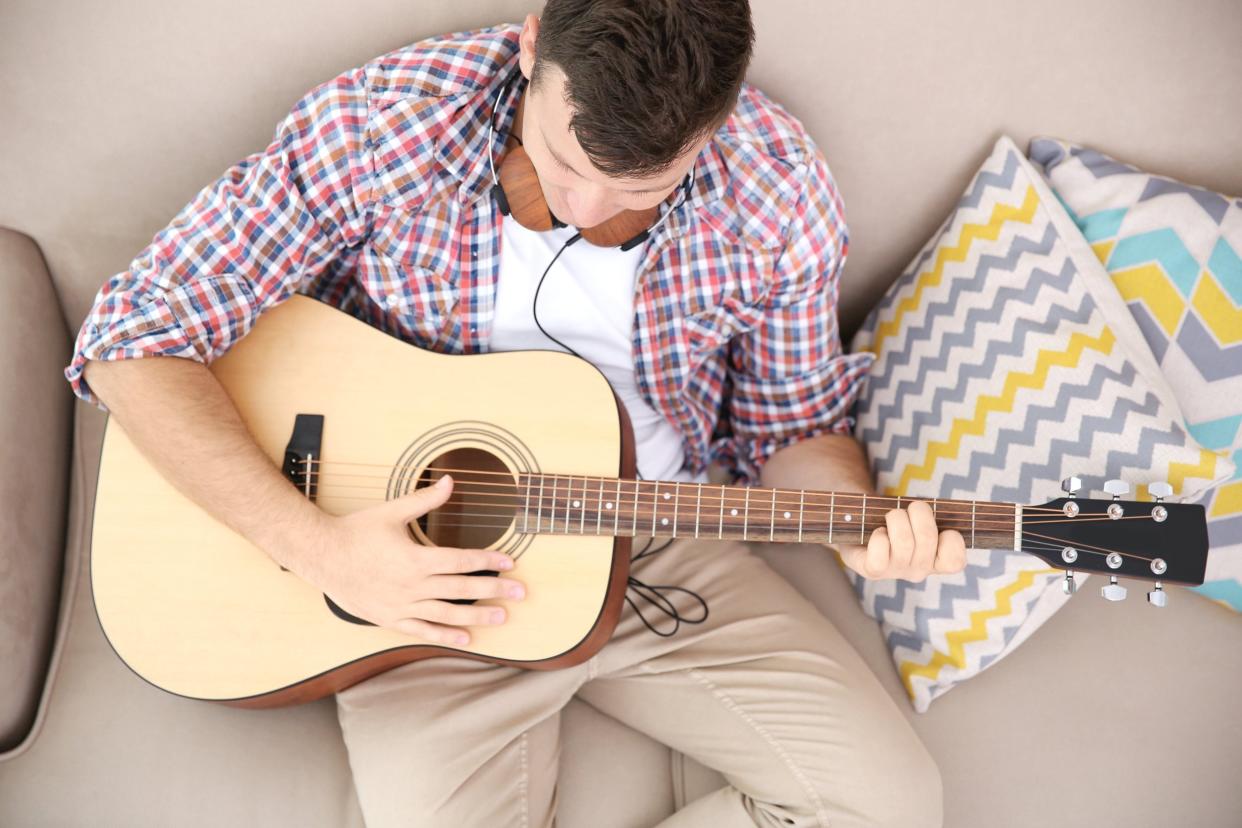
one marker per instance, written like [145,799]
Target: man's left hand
[908,547]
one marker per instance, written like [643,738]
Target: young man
[718,331]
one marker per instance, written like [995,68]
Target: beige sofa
[113,115]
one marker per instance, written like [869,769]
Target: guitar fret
[552,517]
[655,506]
[698,504]
[526,514]
[832,507]
[616,511]
[801,511]
[635,534]
[676,505]
[722,497]
[972,523]
[772,526]
[862,523]
[539,517]
[582,519]
[599,506]
[746,515]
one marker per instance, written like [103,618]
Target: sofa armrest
[36,408]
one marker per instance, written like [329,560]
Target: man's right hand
[367,563]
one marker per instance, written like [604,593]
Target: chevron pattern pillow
[1174,253]
[1005,362]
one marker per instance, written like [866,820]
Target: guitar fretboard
[577,505]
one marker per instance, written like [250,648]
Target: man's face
[577,192]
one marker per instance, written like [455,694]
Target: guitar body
[197,610]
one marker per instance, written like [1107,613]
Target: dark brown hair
[645,78]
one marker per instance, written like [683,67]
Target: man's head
[624,94]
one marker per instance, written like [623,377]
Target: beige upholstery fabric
[34,474]
[114,115]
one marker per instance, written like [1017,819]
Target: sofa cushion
[1006,362]
[34,474]
[1175,254]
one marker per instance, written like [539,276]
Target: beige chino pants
[766,691]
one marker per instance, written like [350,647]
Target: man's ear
[526,42]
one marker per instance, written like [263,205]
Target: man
[376,195]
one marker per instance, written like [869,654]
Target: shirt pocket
[412,280]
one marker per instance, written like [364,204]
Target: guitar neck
[578,505]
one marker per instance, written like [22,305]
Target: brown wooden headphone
[518,194]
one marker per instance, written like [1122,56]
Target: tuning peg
[1117,488]
[1160,490]
[1113,591]
[1157,597]
[1069,586]
[1071,485]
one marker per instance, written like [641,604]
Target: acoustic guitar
[543,458]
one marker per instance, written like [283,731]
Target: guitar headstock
[1154,541]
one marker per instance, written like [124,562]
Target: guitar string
[612,480]
[645,520]
[318,463]
[518,495]
[1053,542]
[1032,540]
[710,491]
[759,514]
[760,517]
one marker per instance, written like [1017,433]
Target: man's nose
[591,206]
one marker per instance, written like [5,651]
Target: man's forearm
[182,420]
[829,462]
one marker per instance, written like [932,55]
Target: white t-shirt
[587,302]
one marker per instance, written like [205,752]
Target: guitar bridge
[303,454]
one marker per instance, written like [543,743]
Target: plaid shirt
[374,196]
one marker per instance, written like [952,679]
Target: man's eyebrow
[567,166]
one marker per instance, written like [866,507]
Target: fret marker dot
[849,518]
[607,505]
[577,504]
[667,495]
[664,521]
[787,516]
[733,512]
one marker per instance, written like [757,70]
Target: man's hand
[367,563]
[908,547]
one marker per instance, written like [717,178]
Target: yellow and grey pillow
[1005,362]
[1174,253]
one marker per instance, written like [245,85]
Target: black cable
[651,593]
[534,303]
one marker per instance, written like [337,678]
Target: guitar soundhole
[483,505]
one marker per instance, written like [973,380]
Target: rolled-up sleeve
[788,376]
[244,243]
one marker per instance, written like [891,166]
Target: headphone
[518,194]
